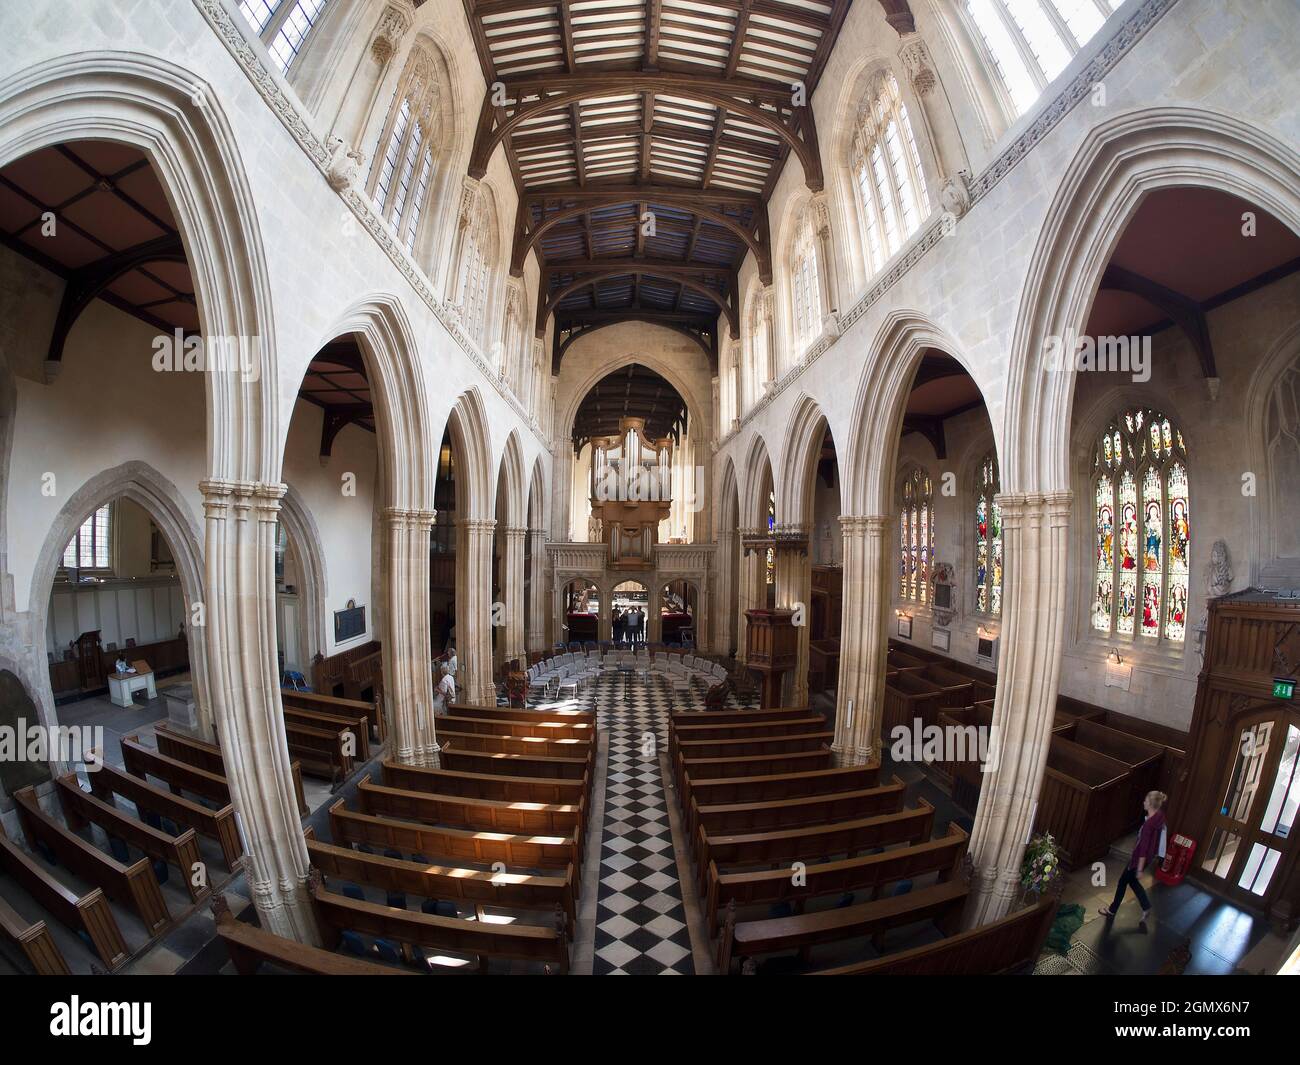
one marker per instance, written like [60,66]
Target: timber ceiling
[633,391]
[645,138]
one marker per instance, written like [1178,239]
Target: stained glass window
[770,558]
[988,539]
[1140,473]
[916,544]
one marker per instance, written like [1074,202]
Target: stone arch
[804,434]
[300,524]
[1282,357]
[142,484]
[536,506]
[472,439]
[511,477]
[759,474]
[1120,162]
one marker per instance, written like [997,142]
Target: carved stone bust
[1218,572]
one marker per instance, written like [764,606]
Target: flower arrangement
[1041,864]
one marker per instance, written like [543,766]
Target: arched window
[759,348]
[916,535]
[477,258]
[891,192]
[988,538]
[1143,528]
[1029,42]
[402,173]
[769,559]
[282,25]
[806,299]
[89,548]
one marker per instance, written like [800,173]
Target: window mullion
[1027,56]
[1050,12]
[278,18]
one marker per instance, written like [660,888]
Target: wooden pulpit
[772,648]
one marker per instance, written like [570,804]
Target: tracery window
[806,300]
[476,260]
[402,173]
[890,183]
[1142,528]
[1029,42]
[88,549]
[283,25]
[988,539]
[916,535]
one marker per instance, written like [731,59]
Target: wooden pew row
[248,947]
[89,914]
[1142,757]
[1010,944]
[81,808]
[144,762]
[327,674]
[756,729]
[411,837]
[35,942]
[778,786]
[484,785]
[735,717]
[867,872]
[324,752]
[207,756]
[132,885]
[942,903]
[505,713]
[476,887]
[908,696]
[336,914]
[750,766]
[338,707]
[528,746]
[734,852]
[799,812]
[481,815]
[220,825]
[572,730]
[461,760]
[357,727]
[738,747]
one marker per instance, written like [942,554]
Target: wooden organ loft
[631,492]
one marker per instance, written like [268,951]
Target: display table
[122,686]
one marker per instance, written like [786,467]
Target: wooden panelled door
[1252,833]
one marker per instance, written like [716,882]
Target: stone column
[864,638]
[768,355]
[513,579]
[794,592]
[537,591]
[408,686]
[239,559]
[1035,530]
[825,267]
[474,610]
[751,595]
[722,621]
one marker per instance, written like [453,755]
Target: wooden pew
[461,760]
[336,914]
[505,713]
[327,674]
[736,717]
[357,727]
[480,815]
[714,731]
[571,730]
[337,706]
[735,851]
[528,746]
[1008,945]
[90,914]
[1082,801]
[752,765]
[81,808]
[781,786]
[131,885]
[323,752]
[958,691]
[248,947]
[207,756]
[942,903]
[772,814]
[362,674]
[737,747]
[35,942]
[143,762]
[476,887]
[484,785]
[108,781]
[901,661]
[909,696]
[1143,758]
[867,872]
[411,837]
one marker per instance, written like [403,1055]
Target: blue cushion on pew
[351,891]
[161,871]
[170,827]
[439,908]
[364,849]
[397,900]
[966,824]
[845,900]
[902,887]
[152,820]
[421,859]
[354,944]
[387,951]
[780,909]
[118,849]
[390,853]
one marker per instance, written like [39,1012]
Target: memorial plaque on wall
[349,623]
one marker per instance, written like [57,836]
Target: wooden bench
[461,760]
[207,756]
[336,914]
[715,731]
[942,903]
[220,825]
[475,887]
[571,730]
[527,746]
[35,942]
[144,762]
[736,747]
[1143,758]
[1008,945]
[480,815]
[752,765]
[735,717]
[357,727]
[324,752]
[89,914]
[904,661]
[505,713]
[411,837]
[866,872]
[248,947]
[133,885]
[812,842]
[338,707]
[81,808]
[958,690]
[484,785]
[908,696]
[327,674]
[1082,801]
[363,674]
[706,792]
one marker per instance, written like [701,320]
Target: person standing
[445,694]
[1150,845]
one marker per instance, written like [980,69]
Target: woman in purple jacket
[1148,847]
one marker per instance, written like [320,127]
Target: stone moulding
[1126,35]
[290,113]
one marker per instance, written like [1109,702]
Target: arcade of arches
[955,392]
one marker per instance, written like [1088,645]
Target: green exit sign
[1283,688]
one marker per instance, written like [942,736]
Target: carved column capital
[224,498]
[918,64]
[393,24]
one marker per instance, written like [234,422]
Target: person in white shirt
[445,694]
[451,661]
